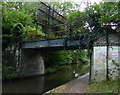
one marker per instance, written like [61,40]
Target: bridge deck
[53,44]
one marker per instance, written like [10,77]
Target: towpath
[78,85]
[75,86]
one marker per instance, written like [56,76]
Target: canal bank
[42,84]
[75,86]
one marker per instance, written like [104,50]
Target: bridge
[105,51]
[105,60]
[54,44]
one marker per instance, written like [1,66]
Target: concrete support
[31,63]
[105,63]
[114,62]
[106,59]
[99,64]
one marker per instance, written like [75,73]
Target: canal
[42,84]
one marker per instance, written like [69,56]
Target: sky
[78,1]
[82,5]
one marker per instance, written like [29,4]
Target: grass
[104,87]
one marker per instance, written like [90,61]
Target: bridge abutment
[105,62]
[106,59]
[31,63]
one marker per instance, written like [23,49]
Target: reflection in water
[32,85]
[42,84]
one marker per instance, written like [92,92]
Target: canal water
[42,84]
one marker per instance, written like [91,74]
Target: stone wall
[104,65]
[31,63]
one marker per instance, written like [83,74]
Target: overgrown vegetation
[104,87]
[95,21]
[56,60]
[19,24]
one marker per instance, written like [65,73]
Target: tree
[16,27]
[94,20]
[101,19]
[64,8]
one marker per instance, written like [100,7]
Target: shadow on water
[42,84]
[31,85]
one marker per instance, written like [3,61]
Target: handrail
[42,40]
[41,23]
[52,9]
[49,15]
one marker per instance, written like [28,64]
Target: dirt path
[78,85]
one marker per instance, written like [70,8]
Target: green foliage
[18,24]
[50,70]
[19,14]
[9,65]
[103,14]
[78,21]
[12,17]
[94,22]
[28,9]
[85,68]
[31,33]
[65,7]
[53,69]
[56,60]
[104,87]
[109,12]
[13,21]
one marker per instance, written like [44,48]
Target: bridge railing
[48,18]
[53,24]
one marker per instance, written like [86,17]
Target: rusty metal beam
[53,10]
[50,15]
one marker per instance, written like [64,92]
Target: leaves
[64,57]
[64,8]
[18,18]
[94,22]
